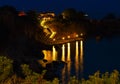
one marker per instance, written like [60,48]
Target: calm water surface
[85,58]
[103,55]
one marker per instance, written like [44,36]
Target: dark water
[103,56]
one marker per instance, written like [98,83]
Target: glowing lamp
[63,38]
[76,35]
[54,39]
[81,34]
[68,36]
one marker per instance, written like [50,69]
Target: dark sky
[95,8]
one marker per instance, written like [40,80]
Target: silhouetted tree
[82,16]
[7,23]
[69,14]
[33,16]
[18,38]
[110,16]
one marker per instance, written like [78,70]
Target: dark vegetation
[7,76]
[19,38]
[79,22]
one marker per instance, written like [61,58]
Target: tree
[7,23]
[109,16]
[18,38]
[6,68]
[69,13]
[33,16]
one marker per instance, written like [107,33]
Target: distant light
[63,38]
[76,35]
[81,34]
[68,36]
[22,13]
[86,15]
[54,39]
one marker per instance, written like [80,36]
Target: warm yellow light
[77,60]
[68,55]
[53,34]
[77,49]
[68,36]
[63,38]
[63,52]
[76,35]
[47,55]
[81,55]
[54,39]
[81,49]
[54,53]
[81,34]
[43,23]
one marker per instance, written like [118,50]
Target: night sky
[94,8]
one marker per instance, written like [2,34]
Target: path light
[68,36]
[63,38]
[53,34]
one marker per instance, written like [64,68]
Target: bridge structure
[60,40]
[66,53]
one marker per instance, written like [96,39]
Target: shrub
[6,68]
[7,76]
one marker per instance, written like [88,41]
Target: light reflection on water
[93,54]
[81,56]
[77,59]
[54,54]
[63,52]
[47,55]
[68,52]
[66,57]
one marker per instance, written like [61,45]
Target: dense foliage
[7,76]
